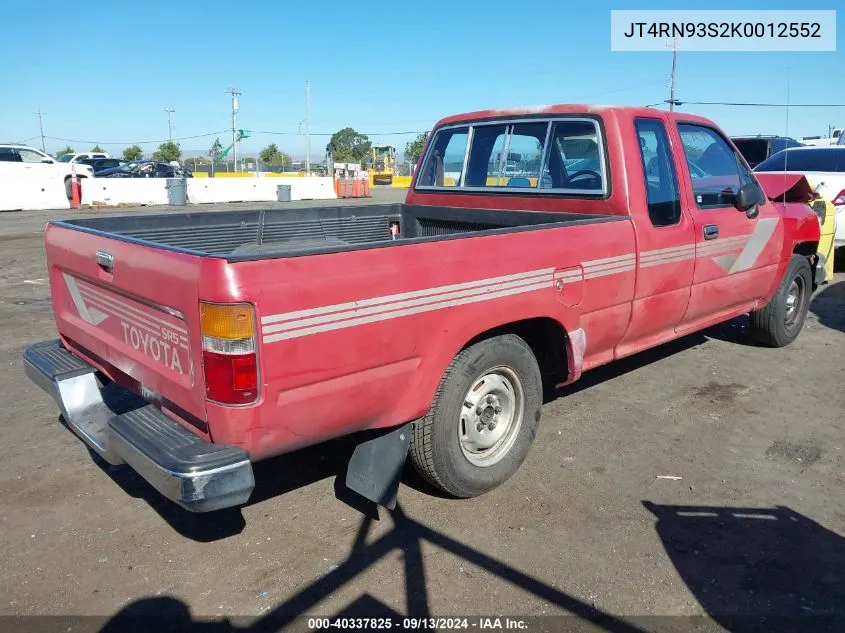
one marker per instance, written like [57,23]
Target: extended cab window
[716,171]
[562,155]
[664,205]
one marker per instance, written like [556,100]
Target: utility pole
[41,127]
[307,127]
[169,111]
[235,107]
[672,80]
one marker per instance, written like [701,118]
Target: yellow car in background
[827,218]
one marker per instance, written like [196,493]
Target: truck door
[735,256]
[665,243]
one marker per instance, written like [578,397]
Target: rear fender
[470,331]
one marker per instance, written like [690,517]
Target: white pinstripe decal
[298,323]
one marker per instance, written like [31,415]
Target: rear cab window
[553,155]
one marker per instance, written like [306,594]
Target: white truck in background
[835,138]
[22,161]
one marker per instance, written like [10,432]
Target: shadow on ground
[829,306]
[752,569]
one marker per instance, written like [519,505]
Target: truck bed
[290,232]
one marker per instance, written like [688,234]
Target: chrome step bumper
[196,474]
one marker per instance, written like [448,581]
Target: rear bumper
[186,469]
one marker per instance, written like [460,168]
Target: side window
[445,159]
[9,155]
[574,159]
[28,156]
[664,205]
[717,173]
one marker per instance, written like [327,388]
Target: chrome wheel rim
[794,299]
[491,416]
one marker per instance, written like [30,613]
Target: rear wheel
[780,321]
[483,419]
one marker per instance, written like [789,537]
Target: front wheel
[483,418]
[780,321]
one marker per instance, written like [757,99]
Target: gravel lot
[702,477]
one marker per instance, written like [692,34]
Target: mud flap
[376,466]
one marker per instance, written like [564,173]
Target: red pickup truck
[534,244]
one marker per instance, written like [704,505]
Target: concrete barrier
[31,193]
[229,190]
[209,190]
[42,193]
[129,191]
[401,182]
[310,188]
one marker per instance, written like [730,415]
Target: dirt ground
[702,477]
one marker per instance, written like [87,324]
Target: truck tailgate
[140,316]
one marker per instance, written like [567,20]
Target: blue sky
[104,72]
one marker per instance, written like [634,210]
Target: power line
[332,133]
[764,105]
[207,134]
[181,138]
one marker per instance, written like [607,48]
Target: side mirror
[47,160]
[748,199]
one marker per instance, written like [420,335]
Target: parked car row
[145,169]
[28,162]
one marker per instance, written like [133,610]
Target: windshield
[66,158]
[821,159]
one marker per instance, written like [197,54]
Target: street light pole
[672,80]
[41,127]
[169,111]
[235,107]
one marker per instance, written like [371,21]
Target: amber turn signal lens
[227,321]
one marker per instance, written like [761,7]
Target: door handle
[711,232]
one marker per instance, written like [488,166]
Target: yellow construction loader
[382,165]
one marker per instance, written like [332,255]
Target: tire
[453,446]
[781,320]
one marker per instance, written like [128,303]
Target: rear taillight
[229,352]
[839,200]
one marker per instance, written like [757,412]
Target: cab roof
[570,108]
